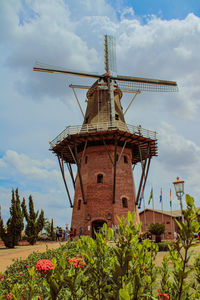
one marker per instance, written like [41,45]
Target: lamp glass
[179,188]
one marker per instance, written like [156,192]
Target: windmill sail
[110,53]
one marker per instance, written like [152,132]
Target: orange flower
[77,262]
[162,296]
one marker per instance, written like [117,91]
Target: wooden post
[71,173]
[79,174]
[65,183]
[75,157]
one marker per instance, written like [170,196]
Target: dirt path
[8,255]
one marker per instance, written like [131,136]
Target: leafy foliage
[48,227]
[35,223]
[12,233]
[103,269]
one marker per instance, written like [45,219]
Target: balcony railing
[89,128]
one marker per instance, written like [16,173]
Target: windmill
[104,148]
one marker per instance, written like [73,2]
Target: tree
[157,229]
[19,216]
[35,223]
[48,227]
[12,233]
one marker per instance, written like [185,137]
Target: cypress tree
[19,216]
[12,234]
[35,223]
[52,232]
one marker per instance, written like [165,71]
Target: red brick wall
[170,224]
[99,195]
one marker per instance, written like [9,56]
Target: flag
[170,195]
[160,195]
[151,196]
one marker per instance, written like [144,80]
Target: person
[57,234]
[66,234]
[60,233]
[71,234]
[80,232]
[139,129]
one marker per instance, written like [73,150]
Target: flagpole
[153,207]
[162,209]
[172,231]
[145,220]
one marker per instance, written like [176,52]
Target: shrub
[12,233]
[157,229]
[35,223]
[164,246]
[95,269]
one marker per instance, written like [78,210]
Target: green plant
[35,223]
[179,255]
[164,246]
[11,234]
[157,229]
[97,269]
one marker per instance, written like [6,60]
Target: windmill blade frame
[40,67]
[110,53]
[131,86]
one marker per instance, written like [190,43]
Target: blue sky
[157,39]
[165,9]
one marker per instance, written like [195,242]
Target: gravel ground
[8,255]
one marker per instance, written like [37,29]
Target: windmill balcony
[104,126]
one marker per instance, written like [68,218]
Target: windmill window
[116,117]
[79,204]
[86,120]
[125,159]
[167,222]
[124,202]
[86,160]
[100,178]
[117,157]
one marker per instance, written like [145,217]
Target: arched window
[124,202]
[100,178]
[86,160]
[79,204]
[125,159]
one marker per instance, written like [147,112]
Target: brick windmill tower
[104,148]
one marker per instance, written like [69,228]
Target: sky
[154,39]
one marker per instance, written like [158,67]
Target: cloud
[2,163]
[36,107]
[33,169]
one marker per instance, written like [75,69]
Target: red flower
[39,298]
[1,277]
[27,266]
[44,265]
[9,296]
[77,262]
[162,296]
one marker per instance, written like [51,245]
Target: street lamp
[179,188]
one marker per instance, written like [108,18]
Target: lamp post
[179,189]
